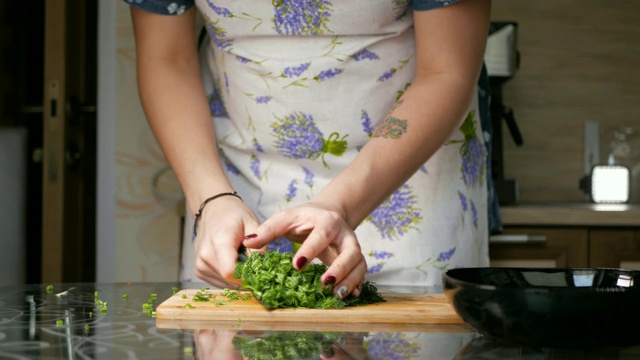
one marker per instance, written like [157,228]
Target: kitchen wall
[579,61]
[139,216]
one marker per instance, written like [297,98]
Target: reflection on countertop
[571,214]
[65,321]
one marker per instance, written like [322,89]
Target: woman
[348,127]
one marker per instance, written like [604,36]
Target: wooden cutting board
[398,311]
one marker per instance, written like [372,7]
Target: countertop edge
[571,214]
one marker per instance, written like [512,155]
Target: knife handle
[242,253]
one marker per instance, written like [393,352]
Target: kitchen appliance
[549,307]
[502,59]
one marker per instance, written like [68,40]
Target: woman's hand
[324,234]
[221,228]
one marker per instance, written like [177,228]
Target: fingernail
[250,236]
[330,280]
[301,262]
[342,291]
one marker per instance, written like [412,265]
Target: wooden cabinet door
[615,248]
[561,247]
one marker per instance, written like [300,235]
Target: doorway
[51,91]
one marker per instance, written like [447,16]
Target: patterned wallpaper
[149,202]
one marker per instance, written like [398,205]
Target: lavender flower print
[221,11]
[365,54]
[292,72]
[281,245]
[387,75]
[446,255]
[441,262]
[473,153]
[327,74]
[216,103]
[392,71]
[255,166]
[308,177]
[380,255]
[301,17]
[261,99]
[474,214]
[366,122]
[219,35]
[256,146]
[375,268]
[292,189]
[397,215]
[463,201]
[386,346]
[243,60]
[298,137]
[232,169]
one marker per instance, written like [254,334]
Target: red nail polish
[250,236]
[301,262]
[330,280]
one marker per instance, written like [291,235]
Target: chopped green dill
[202,296]
[154,296]
[175,290]
[188,350]
[274,281]
[189,306]
[86,328]
[49,289]
[59,323]
[125,296]
[184,296]
[287,345]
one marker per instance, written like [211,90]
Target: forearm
[385,163]
[178,112]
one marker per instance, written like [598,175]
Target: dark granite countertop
[64,321]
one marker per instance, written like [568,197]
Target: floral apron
[296,88]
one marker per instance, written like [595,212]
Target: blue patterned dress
[296,89]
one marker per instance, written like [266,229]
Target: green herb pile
[277,284]
[286,345]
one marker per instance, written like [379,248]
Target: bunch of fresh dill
[277,284]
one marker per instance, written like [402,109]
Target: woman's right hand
[221,230]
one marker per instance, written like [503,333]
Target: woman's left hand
[324,234]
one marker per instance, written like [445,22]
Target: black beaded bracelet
[204,203]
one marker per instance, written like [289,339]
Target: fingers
[323,234]
[219,237]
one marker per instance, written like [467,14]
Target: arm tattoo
[392,127]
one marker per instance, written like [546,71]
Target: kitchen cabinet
[546,247]
[618,248]
[569,235]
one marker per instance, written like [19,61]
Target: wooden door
[68,141]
